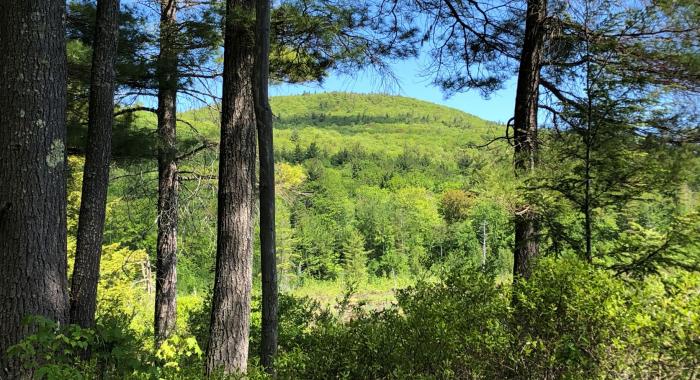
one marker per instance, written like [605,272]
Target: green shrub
[569,320]
[566,321]
[112,350]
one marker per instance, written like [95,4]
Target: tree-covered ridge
[369,187]
[378,122]
[372,105]
[350,113]
[400,189]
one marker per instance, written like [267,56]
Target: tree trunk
[263,116]
[166,250]
[83,296]
[525,132]
[588,141]
[228,343]
[587,211]
[33,277]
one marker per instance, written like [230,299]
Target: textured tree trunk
[525,132]
[588,141]
[263,116]
[166,250]
[33,277]
[587,211]
[83,296]
[228,343]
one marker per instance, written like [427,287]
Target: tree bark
[228,343]
[587,211]
[263,116]
[33,277]
[525,132]
[588,141]
[166,250]
[83,296]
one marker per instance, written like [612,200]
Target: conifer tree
[227,350]
[33,277]
[86,270]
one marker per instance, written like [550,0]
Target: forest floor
[377,293]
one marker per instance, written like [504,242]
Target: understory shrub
[569,320]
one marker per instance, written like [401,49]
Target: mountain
[378,122]
[356,174]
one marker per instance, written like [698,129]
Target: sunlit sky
[413,83]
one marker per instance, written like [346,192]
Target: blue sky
[412,83]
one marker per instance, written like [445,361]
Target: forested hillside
[364,188]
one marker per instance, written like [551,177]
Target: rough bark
[166,250]
[228,344]
[263,116]
[588,141]
[587,210]
[525,132]
[83,296]
[33,277]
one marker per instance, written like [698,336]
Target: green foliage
[379,193]
[569,320]
[52,352]
[112,350]
[388,192]
[454,205]
[663,338]
[354,257]
[641,251]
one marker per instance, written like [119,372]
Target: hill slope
[357,175]
[379,123]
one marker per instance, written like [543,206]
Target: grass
[377,292]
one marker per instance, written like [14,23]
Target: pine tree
[83,297]
[525,132]
[263,116]
[33,278]
[166,249]
[354,257]
[229,331]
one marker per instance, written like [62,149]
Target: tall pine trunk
[166,250]
[588,142]
[263,116]
[230,316]
[33,277]
[525,132]
[83,296]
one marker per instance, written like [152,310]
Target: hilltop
[378,122]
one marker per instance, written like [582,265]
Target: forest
[163,217]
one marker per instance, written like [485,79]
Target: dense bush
[568,321]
